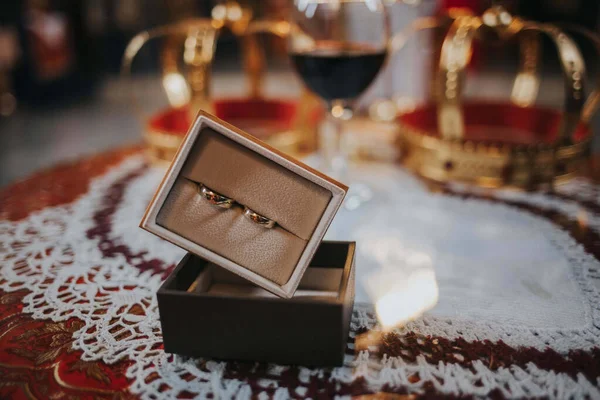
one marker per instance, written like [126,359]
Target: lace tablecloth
[518,274]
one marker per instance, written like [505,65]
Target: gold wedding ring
[215,198]
[258,219]
[219,200]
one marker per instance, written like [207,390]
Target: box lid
[300,200]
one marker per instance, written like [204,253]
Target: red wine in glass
[338,74]
[338,48]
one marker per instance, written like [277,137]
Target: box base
[206,311]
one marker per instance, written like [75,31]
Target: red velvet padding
[498,122]
[260,117]
[174,121]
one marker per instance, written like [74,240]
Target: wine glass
[338,47]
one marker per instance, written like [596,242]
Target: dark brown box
[208,311]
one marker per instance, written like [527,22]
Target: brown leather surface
[256,182]
[271,253]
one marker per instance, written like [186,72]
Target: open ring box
[243,291]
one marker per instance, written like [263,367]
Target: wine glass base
[357,195]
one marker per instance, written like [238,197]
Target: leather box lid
[204,122]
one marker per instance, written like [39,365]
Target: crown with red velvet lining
[499,144]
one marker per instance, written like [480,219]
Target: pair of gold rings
[219,200]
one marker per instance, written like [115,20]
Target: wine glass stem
[332,146]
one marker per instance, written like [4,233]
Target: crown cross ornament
[499,144]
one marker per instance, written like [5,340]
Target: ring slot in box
[300,200]
[208,311]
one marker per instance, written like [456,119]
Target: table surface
[518,311]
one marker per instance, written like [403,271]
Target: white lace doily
[503,273]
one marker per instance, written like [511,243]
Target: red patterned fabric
[37,359]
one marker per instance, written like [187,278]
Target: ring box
[242,287]
[207,311]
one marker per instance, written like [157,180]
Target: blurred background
[62,95]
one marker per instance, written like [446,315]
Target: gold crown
[186,56]
[495,144]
